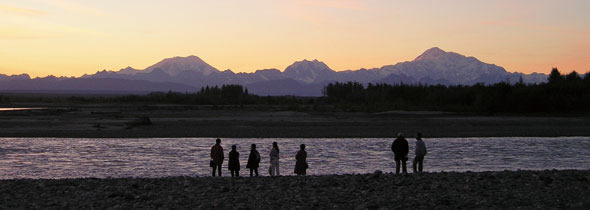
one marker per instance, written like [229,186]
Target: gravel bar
[549,189]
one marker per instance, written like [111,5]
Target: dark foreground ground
[483,190]
[127,121]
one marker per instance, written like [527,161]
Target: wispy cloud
[46,31]
[21,23]
[78,8]
[21,11]
[316,12]
[338,4]
[12,33]
[519,23]
[19,36]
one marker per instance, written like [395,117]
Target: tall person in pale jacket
[420,153]
[274,160]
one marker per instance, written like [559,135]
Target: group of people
[399,147]
[400,150]
[253,164]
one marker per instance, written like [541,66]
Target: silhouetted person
[420,153]
[274,160]
[301,161]
[234,163]
[217,156]
[253,160]
[400,151]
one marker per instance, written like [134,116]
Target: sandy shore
[550,189]
[111,121]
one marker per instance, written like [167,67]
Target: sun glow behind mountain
[72,38]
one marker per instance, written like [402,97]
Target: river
[158,157]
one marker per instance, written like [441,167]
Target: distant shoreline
[140,121]
[547,189]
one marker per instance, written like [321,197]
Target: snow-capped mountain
[436,53]
[437,64]
[269,74]
[178,65]
[309,71]
[453,68]
[434,66]
[129,71]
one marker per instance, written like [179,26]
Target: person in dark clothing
[400,150]
[217,156]
[301,161]
[253,160]
[234,163]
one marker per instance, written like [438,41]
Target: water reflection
[70,158]
[19,109]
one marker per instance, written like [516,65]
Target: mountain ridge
[176,65]
[434,66]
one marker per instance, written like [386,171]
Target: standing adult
[234,163]
[420,153]
[400,151]
[217,156]
[274,160]
[301,161]
[253,160]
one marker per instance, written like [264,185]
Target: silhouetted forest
[561,94]
[227,96]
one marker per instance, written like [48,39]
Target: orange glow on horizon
[72,38]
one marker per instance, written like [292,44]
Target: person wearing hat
[400,150]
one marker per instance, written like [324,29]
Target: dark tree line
[214,95]
[562,93]
[4,99]
[226,96]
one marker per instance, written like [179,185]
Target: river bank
[112,121]
[549,189]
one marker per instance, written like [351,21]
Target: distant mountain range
[304,78]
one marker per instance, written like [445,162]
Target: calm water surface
[158,157]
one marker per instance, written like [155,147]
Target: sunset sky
[72,38]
